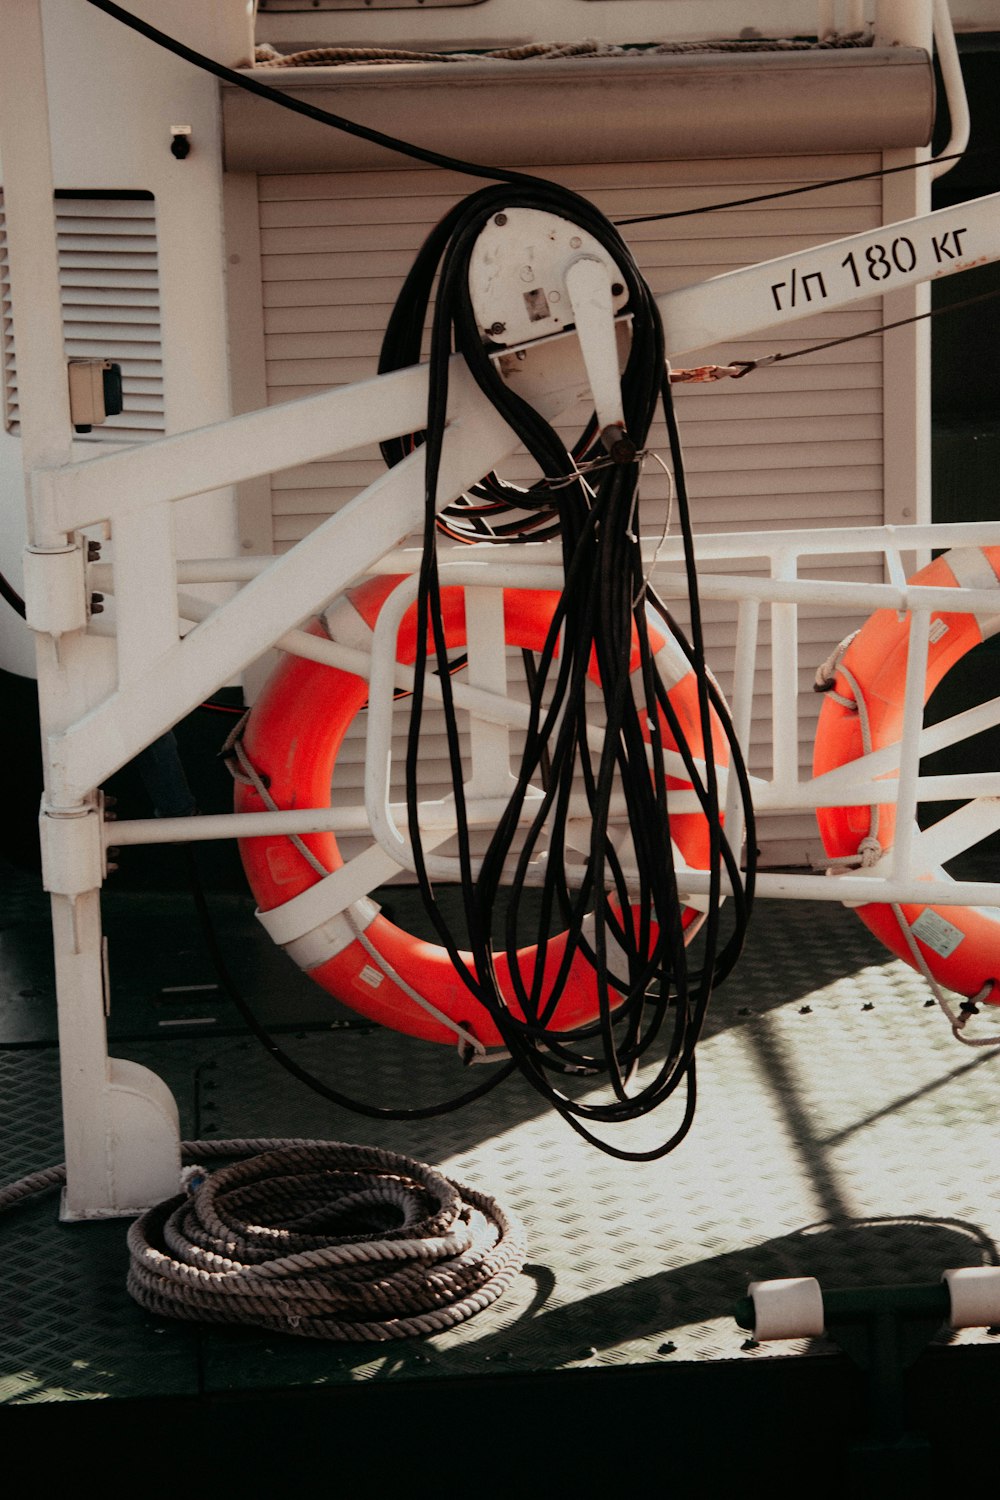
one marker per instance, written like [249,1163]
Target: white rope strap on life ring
[967,1009]
[869,850]
[826,673]
[471,1049]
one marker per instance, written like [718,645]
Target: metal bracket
[517,275]
[533,274]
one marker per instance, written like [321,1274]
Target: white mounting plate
[517,275]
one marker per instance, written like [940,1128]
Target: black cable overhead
[808,187]
[9,593]
[253,85]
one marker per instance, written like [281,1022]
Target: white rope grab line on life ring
[880,651]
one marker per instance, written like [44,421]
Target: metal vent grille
[109,289]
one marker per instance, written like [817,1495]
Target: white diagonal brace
[800,285]
[960,830]
[224,453]
[729,306]
[880,762]
[295,586]
[780,291]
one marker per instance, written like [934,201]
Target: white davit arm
[778,291]
[768,295]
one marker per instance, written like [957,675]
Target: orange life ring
[961,945]
[292,738]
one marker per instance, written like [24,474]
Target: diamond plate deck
[840,1132]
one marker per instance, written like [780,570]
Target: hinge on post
[55,589]
[534,274]
[72,846]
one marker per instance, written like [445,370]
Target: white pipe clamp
[975,1296]
[788,1308]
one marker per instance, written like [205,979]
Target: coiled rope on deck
[320,1239]
[325,1240]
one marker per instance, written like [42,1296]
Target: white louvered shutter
[109,289]
[797,445]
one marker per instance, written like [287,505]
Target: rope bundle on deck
[326,1240]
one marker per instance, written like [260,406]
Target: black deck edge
[774,1426]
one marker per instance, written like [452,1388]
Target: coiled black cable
[658,997]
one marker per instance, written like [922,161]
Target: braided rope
[27,1187]
[320,1239]
[267,56]
[326,1240]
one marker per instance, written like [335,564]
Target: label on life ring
[932,929]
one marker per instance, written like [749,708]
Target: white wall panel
[797,445]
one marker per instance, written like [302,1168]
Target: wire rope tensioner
[534,274]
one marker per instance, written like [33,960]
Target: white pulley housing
[517,275]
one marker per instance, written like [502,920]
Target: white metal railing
[780,595]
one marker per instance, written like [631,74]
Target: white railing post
[785,677]
[122,1143]
[744,664]
[909,757]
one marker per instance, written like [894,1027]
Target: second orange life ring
[960,944]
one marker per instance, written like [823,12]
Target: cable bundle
[325,1240]
[648,992]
